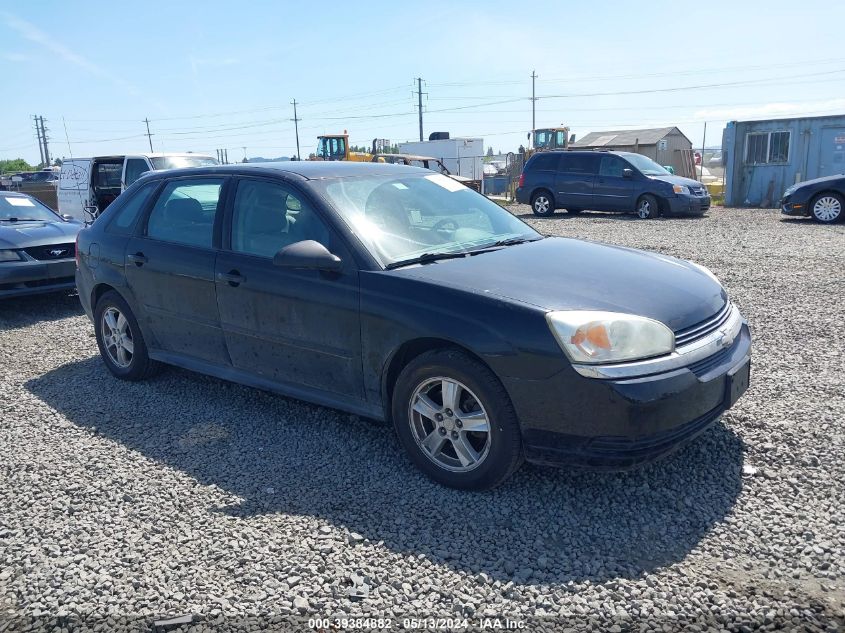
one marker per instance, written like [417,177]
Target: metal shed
[763,158]
[664,145]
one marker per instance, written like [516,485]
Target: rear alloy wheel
[647,207]
[120,340]
[827,208]
[456,421]
[542,203]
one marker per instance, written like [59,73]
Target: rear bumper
[688,205]
[621,424]
[523,196]
[35,277]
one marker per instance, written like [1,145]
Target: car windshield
[20,208]
[402,218]
[646,165]
[177,162]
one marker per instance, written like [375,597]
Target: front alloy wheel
[449,424]
[647,207]
[456,421]
[827,208]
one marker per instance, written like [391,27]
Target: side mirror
[627,173]
[67,216]
[307,254]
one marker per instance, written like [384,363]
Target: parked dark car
[607,181]
[399,294]
[37,247]
[820,198]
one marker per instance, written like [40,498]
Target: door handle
[139,258]
[233,278]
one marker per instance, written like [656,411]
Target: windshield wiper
[425,258]
[511,241]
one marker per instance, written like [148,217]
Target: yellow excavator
[336,147]
[548,138]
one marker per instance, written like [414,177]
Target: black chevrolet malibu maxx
[399,294]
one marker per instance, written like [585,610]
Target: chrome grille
[703,328]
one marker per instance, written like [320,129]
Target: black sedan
[399,294]
[820,198]
[37,247]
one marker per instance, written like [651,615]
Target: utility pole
[419,103]
[244,149]
[38,134]
[703,146]
[225,156]
[533,107]
[44,138]
[148,135]
[296,127]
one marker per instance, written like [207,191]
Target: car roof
[308,170]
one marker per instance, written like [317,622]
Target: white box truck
[462,156]
[88,185]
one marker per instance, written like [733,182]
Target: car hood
[26,234]
[569,274]
[677,180]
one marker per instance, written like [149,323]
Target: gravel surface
[123,504]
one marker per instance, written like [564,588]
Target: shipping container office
[763,158]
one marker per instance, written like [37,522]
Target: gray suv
[607,181]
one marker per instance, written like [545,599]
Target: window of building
[762,148]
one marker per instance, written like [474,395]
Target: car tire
[828,208]
[444,448]
[120,340]
[542,203]
[647,207]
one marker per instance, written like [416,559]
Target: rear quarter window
[122,219]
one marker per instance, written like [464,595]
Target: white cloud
[34,34]
[14,57]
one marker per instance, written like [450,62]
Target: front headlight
[680,189]
[609,337]
[9,256]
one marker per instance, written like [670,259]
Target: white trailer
[462,156]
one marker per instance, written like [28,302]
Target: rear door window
[184,212]
[579,163]
[545,161]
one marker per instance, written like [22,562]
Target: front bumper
[606,424]
[791,206]
[685,204]
[35,277]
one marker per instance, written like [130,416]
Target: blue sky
[222,74]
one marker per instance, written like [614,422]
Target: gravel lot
[125,503]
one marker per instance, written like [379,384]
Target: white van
[88,185]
